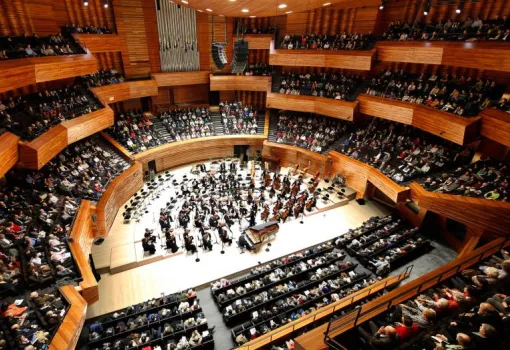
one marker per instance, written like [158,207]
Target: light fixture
[381,7]
[253,16]
[200,11]
[232,0]
[105,4]
[208,10]
[288,12]
[85,3]
[427,8]
[282,6]
[326,4]
[459,7]
[184,2]
[245,10]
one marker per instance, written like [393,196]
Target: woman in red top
[407,329]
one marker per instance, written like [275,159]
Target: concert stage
[129,276]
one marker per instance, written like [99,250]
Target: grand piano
[257,235]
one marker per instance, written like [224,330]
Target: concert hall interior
[234,174]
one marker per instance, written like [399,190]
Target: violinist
[188,242]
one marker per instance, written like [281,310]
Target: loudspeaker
[218,54]
[361,201]
[93,267]
[240,59]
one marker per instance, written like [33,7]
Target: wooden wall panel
[152,35]
[477,213]
[88,124]
[205,148]
[125,91]
[258,56]
[257,99]
[80,245]
[99,42]
[257,41]
[204,45]
[239,82]
[401,112]
[290,156]
[35,154]
[8,152]
[359,174]
[121,189]
[320,105]
[182,78]
[69,330]
[496,125]
[18,73]
[191,94]
[109,60]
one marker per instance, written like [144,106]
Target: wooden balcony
[257,41]
[27,71]
[100,42]
[496,125]
[8,152]
[181,78]
[357,60]
[320,105]
[458,129]
[125,91]
[35,154]
[479,55]
[239,82]
[477,213]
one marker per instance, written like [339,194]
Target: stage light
[383,2]
[85,3]
[245,10]
[282,6]
[427,8]
[105,4]
[459,7]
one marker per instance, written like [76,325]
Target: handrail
[440,274]
[333,307]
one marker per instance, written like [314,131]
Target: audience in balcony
[330,85]
[88,29]
[259,68]
[483,179]
[502,105]
[460,95]
[186,124]
[257,30]
[400,151]
[497,29]
[238,119]
[23,46]
[31,115]
[101,78]
[135,131]
[315,133]
[344,41]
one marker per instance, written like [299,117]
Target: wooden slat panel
[125,91]
[142,88]
[81,246]
[482,214]
[34,154]
[69,330]
[18,73]
[8,152]
[239,82]
[100,42]
[398,111]
[181,78]
[257,41]
[88,124]
[118,192]
[320,105]
[191,94]
[405,52]
[496,125]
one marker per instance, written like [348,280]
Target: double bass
[276,217]
[285,214]
[265,213]
[277,183]
[314,185]
[310,204]
[295,170]
[295,189]
[298,210]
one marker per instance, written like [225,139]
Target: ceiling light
[200,11]
[253,16]
[425,13]
[85,3]
[209,10]
[184,2]
[326,4]
[232,0]
[282,6]
[288,12]
[105,4]
[458,10]
[245,10]
[221,15]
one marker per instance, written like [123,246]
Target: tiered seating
[256,30]
[470,30]
[482,179]
[286,289]
[337,86]
[174,321]
[259,69]
[185,124]
[401,152]
[136,131]
[29,321]
[384,244]
[449,93]
[468,311]
[238,119]
[316,133]
[87,29]
[344,41]
[12,47]
[31,115]
[502,104]
[83,170]
[101,78]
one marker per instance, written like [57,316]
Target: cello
[265,213]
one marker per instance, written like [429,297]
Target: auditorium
[269,174]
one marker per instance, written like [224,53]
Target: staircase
[217,124]
[161,129]
[273,125]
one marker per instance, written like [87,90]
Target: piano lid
[263,226]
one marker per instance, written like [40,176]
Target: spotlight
[426,10]
[105,4]
[459,7]
[383,2]
[85,3]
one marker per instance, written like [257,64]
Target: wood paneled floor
[179,272]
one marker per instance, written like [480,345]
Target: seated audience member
[238,119]
[382,338]
[185,124]
[344,41]
[259,68]
[101,78]
[148,246]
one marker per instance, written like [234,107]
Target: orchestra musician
[224,235]
[188,242]
[206,241]
[171,243]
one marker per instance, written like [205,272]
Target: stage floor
[149,278]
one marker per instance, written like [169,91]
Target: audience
[344,41]
[88,29]
[497,29]
[23,46]
[101,78]
[259,68]
[257,30]
[185,124]
[31,115]
[315,133]
[237,119]
[483,179]
[460,95]
[339,87]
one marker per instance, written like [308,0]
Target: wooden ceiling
[266,8]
